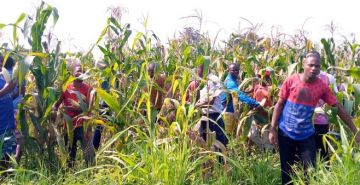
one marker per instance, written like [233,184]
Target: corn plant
[45,69]
[143,146]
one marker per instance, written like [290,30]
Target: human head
[200,70]
[234,69]
[268,71]
[265,74]
[151,69]
[77,71]
[311,65]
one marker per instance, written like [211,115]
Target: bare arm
[274,121]
[58,102]
[7,88]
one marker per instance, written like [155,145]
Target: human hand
[273,136]
[72,109]
[11,85]
[262,111]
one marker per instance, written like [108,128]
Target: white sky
[81,21]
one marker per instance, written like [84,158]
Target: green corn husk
[15,71]
[23,68]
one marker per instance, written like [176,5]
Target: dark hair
[234,65]
[314,54]
[151,66]
[9,64]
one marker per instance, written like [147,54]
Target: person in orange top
[261,90]
[69,99]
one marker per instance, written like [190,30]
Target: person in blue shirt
[7,121]
[231,84]
[17,95]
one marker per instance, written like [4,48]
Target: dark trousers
[97,136]
[320,131]
[218,127]
[86,146]
[290,150]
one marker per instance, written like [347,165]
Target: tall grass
[136,149]
[343,168]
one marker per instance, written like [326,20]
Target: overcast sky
[81,21]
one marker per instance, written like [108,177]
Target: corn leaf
[2,26]
[109,99]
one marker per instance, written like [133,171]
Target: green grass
[131,153]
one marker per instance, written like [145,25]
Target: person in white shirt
[211,107]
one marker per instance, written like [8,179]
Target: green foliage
[343,167]
[329,46]
[142,145]
[34,113]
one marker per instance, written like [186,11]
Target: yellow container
[230,122]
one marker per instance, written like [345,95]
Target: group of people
[11,94]
[301,98]
[293,128]
[298,122]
